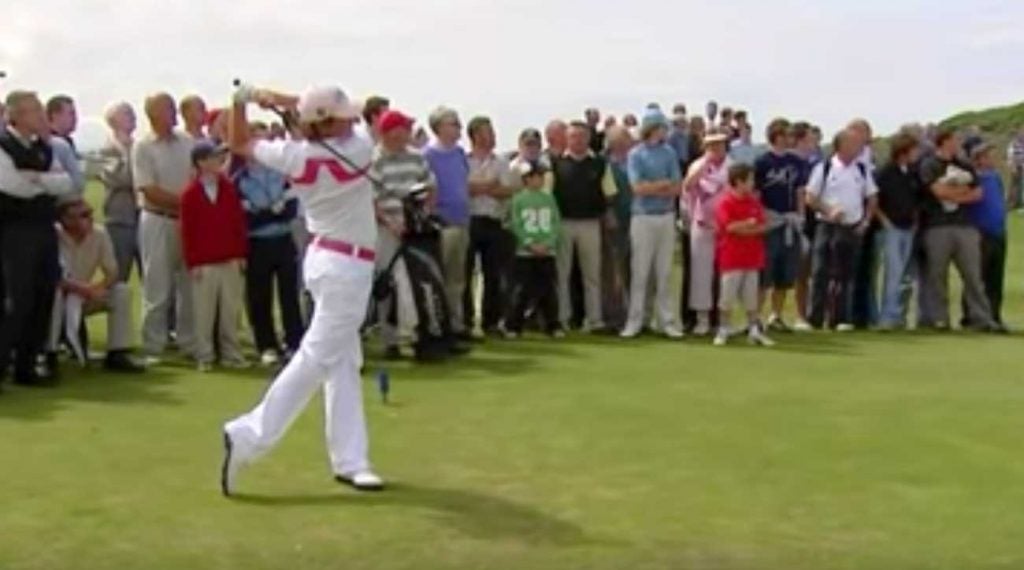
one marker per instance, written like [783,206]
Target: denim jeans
[897,247]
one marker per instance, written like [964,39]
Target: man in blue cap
[656,179]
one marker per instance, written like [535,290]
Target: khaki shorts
[739,287]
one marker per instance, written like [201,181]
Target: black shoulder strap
[826,167]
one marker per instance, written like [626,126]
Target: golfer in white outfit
[328,174]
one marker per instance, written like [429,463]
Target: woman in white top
[328,172]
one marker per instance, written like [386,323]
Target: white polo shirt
[493,167]
[337,198]
[848,187]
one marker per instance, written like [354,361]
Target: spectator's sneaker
[845,327]
[631,331]
[456,348]
[361,481]
[152,361]
[557,333]
[994,328]
[758,338]
[269,358]
[702,329]
[776,324]
[800,325]
[512,335]
[205,367]
[587,329]
[119,361]
[674,333]
[722,338]
[888,327]
[236,364]
[392,353]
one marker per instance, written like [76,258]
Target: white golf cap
[321,103]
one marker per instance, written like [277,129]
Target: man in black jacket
[899,203]
[28,241]
[583,184]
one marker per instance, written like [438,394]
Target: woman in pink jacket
[704,184]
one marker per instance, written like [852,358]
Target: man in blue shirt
[656,178]
[63,119]
[780,176]
[742,150]
[272,254]
[989,216]
[679,138]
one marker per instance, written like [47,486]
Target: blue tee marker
[383,384]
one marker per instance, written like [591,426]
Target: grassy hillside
[997,122]
[998,125]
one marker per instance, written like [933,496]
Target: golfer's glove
[245,93]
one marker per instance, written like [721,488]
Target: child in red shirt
[215,244]
[740,219]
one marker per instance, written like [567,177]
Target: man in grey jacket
[120,204]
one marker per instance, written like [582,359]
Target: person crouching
[740,219]
[214,245]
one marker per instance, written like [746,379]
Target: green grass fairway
[827,452]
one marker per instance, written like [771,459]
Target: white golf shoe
[362,480]
[230,467]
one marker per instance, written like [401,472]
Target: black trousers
[31,270]
[865,293]
[993,273]
[493,244]
[273,260]
[836,254]
[535,286]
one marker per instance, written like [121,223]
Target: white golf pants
[330,354]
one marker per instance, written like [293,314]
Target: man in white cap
[328,169]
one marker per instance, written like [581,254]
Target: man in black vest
[29,187]
[583,184]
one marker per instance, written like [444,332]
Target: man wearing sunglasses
[85,251]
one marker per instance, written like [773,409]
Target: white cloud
[524,61]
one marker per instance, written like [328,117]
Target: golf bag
[419,252]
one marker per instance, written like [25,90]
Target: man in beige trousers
[583,185]
[160,170]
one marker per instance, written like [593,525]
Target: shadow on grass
[92,386]
[474,514]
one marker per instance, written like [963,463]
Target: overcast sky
[525,61]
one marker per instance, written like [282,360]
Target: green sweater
[535,220]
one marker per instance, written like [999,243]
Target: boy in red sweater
[215,245]
[740,220]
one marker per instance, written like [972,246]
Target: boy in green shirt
[537,225]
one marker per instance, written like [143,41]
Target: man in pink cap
[328,169]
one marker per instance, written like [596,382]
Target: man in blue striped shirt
[272,255]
